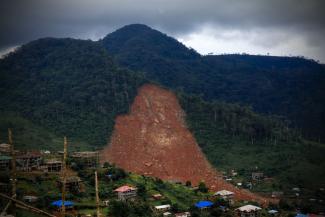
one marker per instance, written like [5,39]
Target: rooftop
[203,204]
[125,188]
[58,203]
[166,206]
[224,193]
[248,208]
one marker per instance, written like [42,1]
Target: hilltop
[291,87]
[56,87]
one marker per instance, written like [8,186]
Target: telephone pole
[13,170]
[64,175]
[97,196]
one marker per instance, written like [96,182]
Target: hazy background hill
[288,86]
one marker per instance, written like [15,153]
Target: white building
[248,211]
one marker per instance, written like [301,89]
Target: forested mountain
[69,86]
[292,87]
[54,87]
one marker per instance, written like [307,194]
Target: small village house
[248,211]
[162,208]
[183,214]
[277,194]
[157,196]
[226,195]
[5,148]
[30,198]
[257,176]
[126,192]
[5,162]
[67,204]
[167,214]
[203,204]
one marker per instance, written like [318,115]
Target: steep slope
[70,87]
[292,87]
[153,140]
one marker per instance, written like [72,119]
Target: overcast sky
[277,27]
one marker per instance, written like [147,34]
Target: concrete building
[248,211]
[226,195]
[126,192]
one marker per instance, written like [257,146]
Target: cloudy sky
[277,27]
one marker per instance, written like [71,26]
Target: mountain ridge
[270,84]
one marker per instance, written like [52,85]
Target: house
[301,215]
[273,212]
[5,187]
[5,162]
[126,192]
[256,176]
[88,159]
[105,202]
[30,198]
[248,211]
[5,148]
[183,214]
[157,196]
[162,208]
[58,204]
[203,204]
[277,194]
[29,161]
[72,183]
[167,214]
[226,195]
[53,165]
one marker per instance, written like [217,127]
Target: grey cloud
[25,20]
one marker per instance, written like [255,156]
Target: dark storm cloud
[25,20]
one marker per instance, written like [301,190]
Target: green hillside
[292,87]
[70,87]
[52,88]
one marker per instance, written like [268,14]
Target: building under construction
[29,161]
[52,165]
[88,159]
[72,183]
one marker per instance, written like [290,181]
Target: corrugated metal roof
[125,188]
[4,157]
[248,208]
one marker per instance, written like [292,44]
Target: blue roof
[58,203]
[301,215]
[203,204]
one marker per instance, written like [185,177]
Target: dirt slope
[153,140]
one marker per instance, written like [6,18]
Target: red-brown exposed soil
[153,140]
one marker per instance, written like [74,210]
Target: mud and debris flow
[153,140]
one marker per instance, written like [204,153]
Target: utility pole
[13,170]
[64,175]
[97,196]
